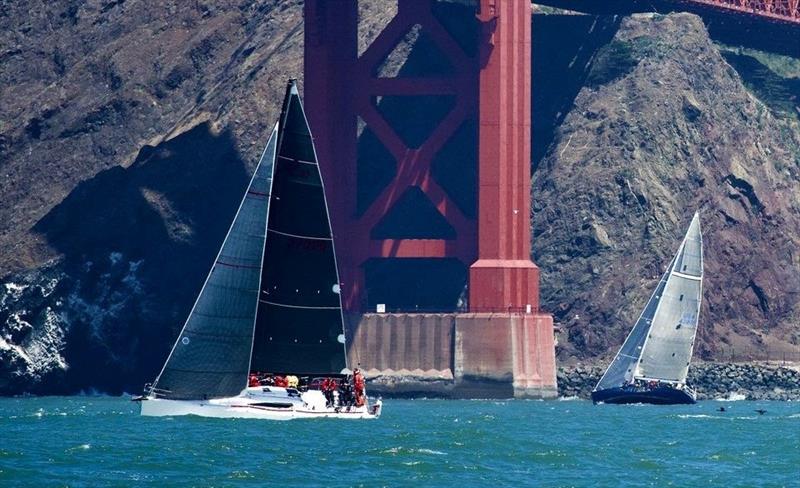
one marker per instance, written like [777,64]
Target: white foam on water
[794,416]
[732,397]
[568,398]
[431,451]
[82,447]
[695,416]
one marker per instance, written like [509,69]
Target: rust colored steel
[492,86]
[504,274]
[341,86]
[782,10]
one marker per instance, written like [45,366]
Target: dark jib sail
[299,327]
[210,358]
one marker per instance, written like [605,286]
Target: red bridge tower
[427,164]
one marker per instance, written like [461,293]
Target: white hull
[253,404]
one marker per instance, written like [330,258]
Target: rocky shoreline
[751,381]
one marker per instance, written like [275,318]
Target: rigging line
[297,160]
[296,236]
[307,307]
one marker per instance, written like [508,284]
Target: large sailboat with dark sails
[653,363]
[265,338]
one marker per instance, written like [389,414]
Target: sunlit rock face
[664,127]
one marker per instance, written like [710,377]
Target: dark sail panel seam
[297,160]
[296,236]
[231,265]
[308,307]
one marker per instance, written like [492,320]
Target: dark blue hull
[657,396]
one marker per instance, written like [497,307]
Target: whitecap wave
[431,451]
[732,397]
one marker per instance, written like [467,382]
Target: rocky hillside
[665,127]
[88,84]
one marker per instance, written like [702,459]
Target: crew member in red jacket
[358,380]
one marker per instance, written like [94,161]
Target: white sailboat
[265,338]
[653,363]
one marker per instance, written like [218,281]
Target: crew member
[358,380]
[327,387]
[253,381]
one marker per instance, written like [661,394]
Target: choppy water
[101,441]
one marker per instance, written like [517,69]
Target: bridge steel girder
[781,10]
[492,87]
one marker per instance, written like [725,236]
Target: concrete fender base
[480,355]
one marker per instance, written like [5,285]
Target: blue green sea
[102,441]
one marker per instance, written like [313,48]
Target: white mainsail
[667,349]
[624,364]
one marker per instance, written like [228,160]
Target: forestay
[299,328]
[210,358]
[667,350]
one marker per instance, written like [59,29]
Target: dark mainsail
[299,326]
[210,358]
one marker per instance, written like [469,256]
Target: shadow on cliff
[563,49]
[137,243]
